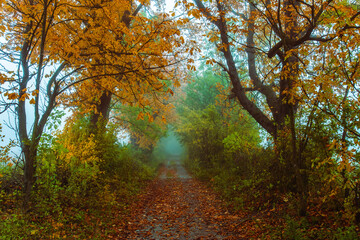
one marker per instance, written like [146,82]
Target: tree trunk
[29,173]
[100,118]
[289,165]
[289,77]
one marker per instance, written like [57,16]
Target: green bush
[347,233]
[295,230]
[226,153]
[14,226]
[80,176]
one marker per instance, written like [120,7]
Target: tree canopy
[264,96]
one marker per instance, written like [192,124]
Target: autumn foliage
[264,95]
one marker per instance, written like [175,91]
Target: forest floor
[176,206]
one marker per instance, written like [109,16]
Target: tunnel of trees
[258,99]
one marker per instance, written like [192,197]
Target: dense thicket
[227,149]
[293,66]
[223,141]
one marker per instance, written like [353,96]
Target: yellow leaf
[12,96]
[140,116]
[177,83]
[170,91]
[163,119]
[35,93]
[32,101]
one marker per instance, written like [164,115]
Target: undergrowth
[85,184]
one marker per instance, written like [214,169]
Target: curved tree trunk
[291,169]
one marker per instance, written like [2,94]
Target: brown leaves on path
[177,207]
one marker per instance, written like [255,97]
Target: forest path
[175,206]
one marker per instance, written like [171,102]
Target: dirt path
[178,207]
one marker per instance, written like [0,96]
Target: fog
[169,149]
